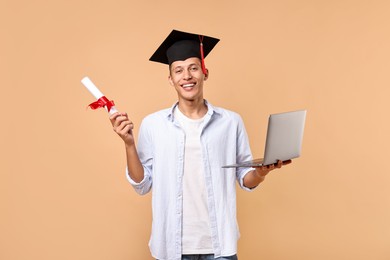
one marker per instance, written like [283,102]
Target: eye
[194,68]
[178,71]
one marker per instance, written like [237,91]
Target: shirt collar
[210,110]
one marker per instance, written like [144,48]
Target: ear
[170,80]
[206,76]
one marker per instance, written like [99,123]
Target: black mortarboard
[182,45]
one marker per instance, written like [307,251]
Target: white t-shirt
[196,236]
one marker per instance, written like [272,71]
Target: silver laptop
[284,139]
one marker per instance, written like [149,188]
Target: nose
[187,75]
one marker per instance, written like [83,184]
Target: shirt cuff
[242,180]
[134,183]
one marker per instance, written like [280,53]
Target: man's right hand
[123,127]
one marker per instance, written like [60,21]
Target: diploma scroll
[102,101]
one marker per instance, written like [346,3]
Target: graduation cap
[182,45]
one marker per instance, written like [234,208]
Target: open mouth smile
[188,85]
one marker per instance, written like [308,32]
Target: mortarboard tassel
[202,54]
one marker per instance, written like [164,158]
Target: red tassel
[202,55]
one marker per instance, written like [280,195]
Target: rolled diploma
[96,92]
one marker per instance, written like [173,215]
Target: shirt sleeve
[145,154]
[243,154]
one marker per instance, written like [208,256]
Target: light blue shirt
[161,150]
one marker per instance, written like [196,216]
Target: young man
[181,151]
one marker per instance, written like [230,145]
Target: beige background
[63,192]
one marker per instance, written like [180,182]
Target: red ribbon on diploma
[102,102]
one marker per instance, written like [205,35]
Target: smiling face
[187,78]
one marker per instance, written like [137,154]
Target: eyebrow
[190,65]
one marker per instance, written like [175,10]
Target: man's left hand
[263,170]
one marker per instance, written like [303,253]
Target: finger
[279,164]
[126,130]
[120,119]
[125,123]
[287,162]
[114,116]
[117,116]
[124,115]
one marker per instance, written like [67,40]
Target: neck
[193,109]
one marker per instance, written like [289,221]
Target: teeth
[188,85]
